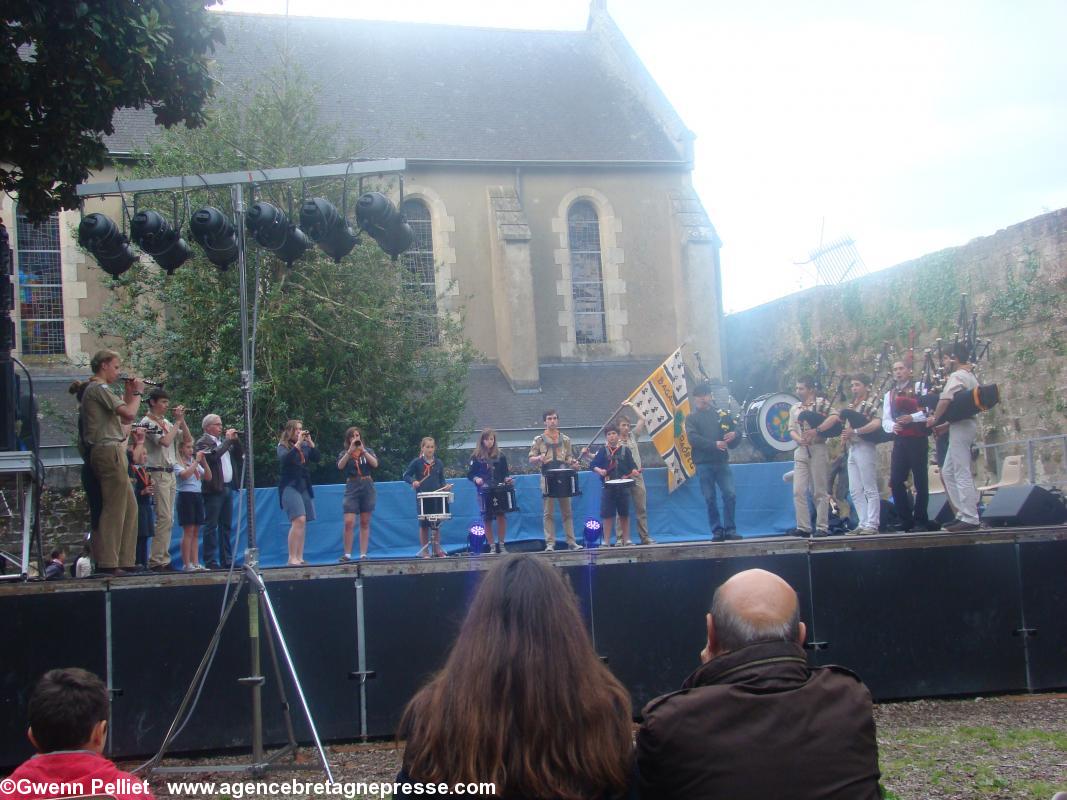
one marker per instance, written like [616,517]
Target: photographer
[223,456]
[295,449]
[356,462]
[161,443]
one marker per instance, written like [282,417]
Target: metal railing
[1031,449]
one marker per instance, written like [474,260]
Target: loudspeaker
[939,510]
[1025,504]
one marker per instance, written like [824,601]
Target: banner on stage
[662,401]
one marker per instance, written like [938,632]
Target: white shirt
[887,408]
[224,462]
[83,567]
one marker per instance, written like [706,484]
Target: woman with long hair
[356,462]
[295,494]
[489,468]
[523,701]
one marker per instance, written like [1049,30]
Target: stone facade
[1016,281]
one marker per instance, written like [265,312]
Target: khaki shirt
[960,380]
[164,456]
[100,423]
[630,443]
[560,451]
[795,425]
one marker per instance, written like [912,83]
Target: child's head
[68,711]
[428,446]
[611,431]
[186,450]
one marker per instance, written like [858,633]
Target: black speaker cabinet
[939,510]
[1025,504]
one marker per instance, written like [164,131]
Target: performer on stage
[162,442]
[144,490]
[903,416]
[295,493]
[811,462]
[711,441]
[356,462]
[190,471]
[956,473]
[863,461]
[489,468]
[614,462]
[552,450]
[628,438]
[102,417]
[427,474]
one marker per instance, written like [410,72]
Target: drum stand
[432,538]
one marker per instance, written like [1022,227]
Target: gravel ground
[1004,747]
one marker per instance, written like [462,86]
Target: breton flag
[662,401]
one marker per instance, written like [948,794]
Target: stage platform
[916,615]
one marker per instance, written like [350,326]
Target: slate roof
[421,91]
[584,394]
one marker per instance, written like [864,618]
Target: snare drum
[561,483]
[499,499]
[620,483]
[435,506]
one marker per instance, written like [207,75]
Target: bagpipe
[870,408]
[822,409]
[729,422]
[970,349]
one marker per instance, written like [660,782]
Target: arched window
[419,263]
[587,280]
[40,287]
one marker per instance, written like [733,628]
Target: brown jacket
[760,723]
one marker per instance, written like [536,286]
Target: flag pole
[623,405]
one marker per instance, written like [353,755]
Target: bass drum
[767,423]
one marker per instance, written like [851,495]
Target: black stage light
[326,226]
[111,249]
[376,214]
[272,229]
[153,234]
[215,234]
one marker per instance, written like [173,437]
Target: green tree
[336,344]
[68,66]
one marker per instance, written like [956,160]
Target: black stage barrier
[38,633]
[923,616]
[158,637]
[648,617]
[921,622]
[410,623]
[1042,567]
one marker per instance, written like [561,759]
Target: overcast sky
[910,126]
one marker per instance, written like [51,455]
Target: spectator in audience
[54,571]
[535,710]
[68,728]
[83,567]
[755,721]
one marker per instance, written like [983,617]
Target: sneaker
[648,541]
[346,558]
[575,546]
[733,536]
[959,526]
[362,556]
[202,568]
[550,546]
[801,532]
[210,565]
[718,537]
[821,532]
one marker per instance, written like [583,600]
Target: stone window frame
[442,227]
[612,258]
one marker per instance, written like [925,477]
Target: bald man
[755,721]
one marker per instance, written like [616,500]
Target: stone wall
[1016,280]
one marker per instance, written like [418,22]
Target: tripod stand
[258,599]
